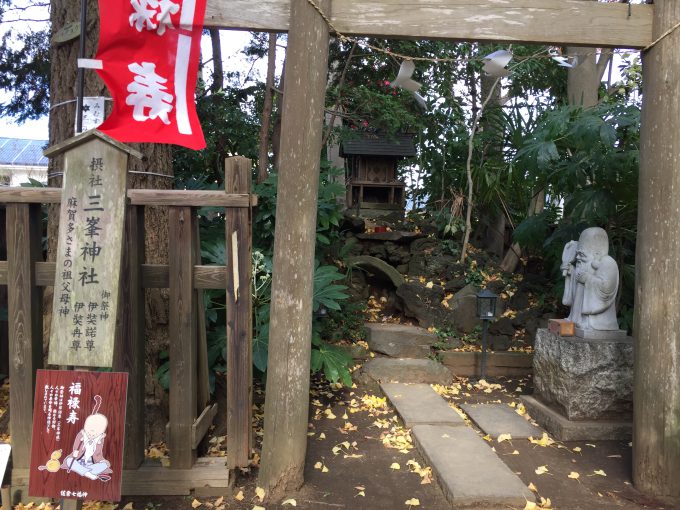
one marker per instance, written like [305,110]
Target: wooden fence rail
[190,414]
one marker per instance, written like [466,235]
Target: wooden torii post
[657,372]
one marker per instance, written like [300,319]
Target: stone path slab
[469,472]
[404,370]
[497,419]
[419,404]
[399,340]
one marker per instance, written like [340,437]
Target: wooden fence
[190,414]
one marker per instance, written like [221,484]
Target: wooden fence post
[24,225]
[237,177]
[129,351]
[183,369]
[4,324]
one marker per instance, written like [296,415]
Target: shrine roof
[379,144]
[22,152]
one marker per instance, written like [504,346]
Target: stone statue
[591,281]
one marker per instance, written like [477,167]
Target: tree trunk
[218,70]
[287,396]
[514,254]
[263,159]
[276,131]
[583,81]
[158,159]
[656,428]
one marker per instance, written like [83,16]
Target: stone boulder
[502,326]
[584,379]
[500,342]
[376,266]
[424,304]
[400,340]
[352,223]
[463,307]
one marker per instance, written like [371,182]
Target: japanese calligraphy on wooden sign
[89,252]
[78,432]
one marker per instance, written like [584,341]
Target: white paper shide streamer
[494,63]
[562,61]
[404,81]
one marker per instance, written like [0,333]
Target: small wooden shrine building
[371,159]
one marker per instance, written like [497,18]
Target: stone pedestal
[583,387]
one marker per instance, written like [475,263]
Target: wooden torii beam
[558,22]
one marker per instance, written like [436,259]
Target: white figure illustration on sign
[148,93]
[153,15]
[87,458]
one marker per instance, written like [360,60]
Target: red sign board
[78,432]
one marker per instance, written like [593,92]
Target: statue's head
[593,244]
[95,425]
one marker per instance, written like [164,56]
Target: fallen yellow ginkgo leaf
[530,506]
[600,472]
[541,470]
[395,465]
[532,487]
[239,496]
[573,475]
[412,502]
[195,503]
[504,437]
[259,492]
[577,449]
[257,507]
[544,441]
[290,502]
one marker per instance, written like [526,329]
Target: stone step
[419,404]
[497,419]
[400,340]
[469,472]
[405,370]
[564,429]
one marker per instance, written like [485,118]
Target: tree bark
[514,254]
[263,159]
[157,159]
[287,397]
[276,131]
[583,81]
[656,428]
[218,69]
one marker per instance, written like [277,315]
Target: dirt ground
[359,456]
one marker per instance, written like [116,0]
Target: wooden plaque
[78,435]
[561,327]
[89,252]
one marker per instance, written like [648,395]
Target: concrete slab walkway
[497,419]
[419,404]
[469,472]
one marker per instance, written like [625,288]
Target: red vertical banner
[78,435]
[149,52]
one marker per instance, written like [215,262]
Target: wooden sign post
[89,250]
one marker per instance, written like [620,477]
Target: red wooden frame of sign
[78,435]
